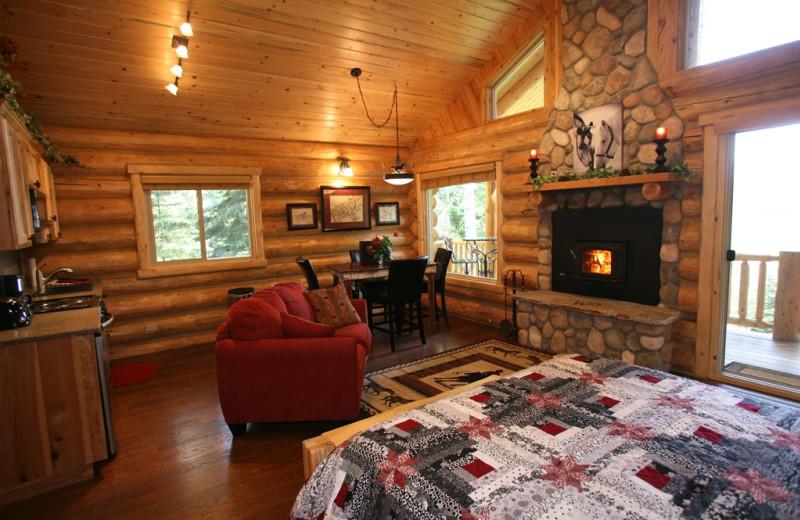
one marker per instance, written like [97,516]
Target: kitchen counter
[55,325]
[61,323]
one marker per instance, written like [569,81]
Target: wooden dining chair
[401,298]
[308,271]
[442,259]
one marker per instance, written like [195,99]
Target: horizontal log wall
[98,236]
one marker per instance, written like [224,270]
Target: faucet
[42,280]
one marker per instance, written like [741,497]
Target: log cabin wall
[98,235]
[462,137]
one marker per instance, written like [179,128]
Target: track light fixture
[181,46]
[344,167]
[397,175]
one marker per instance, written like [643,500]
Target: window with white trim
[196,219]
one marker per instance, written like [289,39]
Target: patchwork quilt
[574,437]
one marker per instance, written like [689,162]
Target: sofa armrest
[360,305]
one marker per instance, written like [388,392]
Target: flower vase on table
[381,249]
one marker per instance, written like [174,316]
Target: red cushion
[332,306]
[293,295]
[254,318]
[294,327]
[359,332]
[272,297]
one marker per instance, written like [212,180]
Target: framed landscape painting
[387,213]
[345,208]
[301,216]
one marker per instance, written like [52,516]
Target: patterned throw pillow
[332,306]
[294,327]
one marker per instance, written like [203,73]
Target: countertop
[59,324]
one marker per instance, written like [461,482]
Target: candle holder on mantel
[534,166]
[661,148]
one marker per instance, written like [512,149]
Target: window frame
[667,28]
[463,173]
[144,176]
[510,68]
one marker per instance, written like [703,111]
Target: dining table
[352,271]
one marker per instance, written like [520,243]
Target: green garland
[8,91]
[606,173]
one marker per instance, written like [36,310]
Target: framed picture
[598,138]
[345,208]
[387,213]
[301,216]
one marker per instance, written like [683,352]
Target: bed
[578,436]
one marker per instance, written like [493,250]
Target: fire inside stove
[597,261]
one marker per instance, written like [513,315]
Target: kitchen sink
[68,286]
[61,304]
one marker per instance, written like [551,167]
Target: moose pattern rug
[432,375]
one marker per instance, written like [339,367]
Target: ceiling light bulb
[186,29]
[173,88]
[177,70]
[182,51]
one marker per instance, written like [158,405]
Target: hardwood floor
[758,349]
[177,458]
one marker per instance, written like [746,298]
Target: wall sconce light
[344,167]
[397,175]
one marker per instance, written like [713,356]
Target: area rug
[762,373]
[129,373]
[393,386]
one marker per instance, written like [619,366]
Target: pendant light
[397,175]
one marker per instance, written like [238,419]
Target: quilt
[578,436]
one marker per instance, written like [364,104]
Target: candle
[534,154]
[661,133]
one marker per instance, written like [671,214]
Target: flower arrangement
[381,247]
[8,91]
[602,173]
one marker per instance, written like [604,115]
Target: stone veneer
[559,322]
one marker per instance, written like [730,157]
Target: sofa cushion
[293,295]
[252,319]
[332,306]
[294,327]
[273,297]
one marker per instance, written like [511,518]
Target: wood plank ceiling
[275,69]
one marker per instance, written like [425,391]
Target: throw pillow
[294,327]
[332,306]
[252,319]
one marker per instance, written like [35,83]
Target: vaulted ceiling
[270,69]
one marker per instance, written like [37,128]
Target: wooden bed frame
[317,448]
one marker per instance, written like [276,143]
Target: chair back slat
[308,271]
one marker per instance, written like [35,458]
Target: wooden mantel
[655,186]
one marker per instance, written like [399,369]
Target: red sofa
[274,365]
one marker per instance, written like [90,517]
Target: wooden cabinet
[26,181]
[52,419]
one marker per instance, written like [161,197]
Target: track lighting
[173,87]
[180,43]
[177,69]
[344,167]
[181,46]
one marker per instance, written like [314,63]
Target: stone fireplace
[582,305]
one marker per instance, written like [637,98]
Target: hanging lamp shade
[397,175]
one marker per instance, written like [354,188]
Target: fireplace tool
[507,327]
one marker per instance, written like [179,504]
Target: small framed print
[387,213]
[301,216]
[345,208]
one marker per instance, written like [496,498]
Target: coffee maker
[14,310]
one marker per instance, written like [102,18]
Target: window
[462,216]
[520,86]
[196,219]
[722,29]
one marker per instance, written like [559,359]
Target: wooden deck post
[787,298]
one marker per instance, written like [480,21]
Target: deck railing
[473,257]
[742,309]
